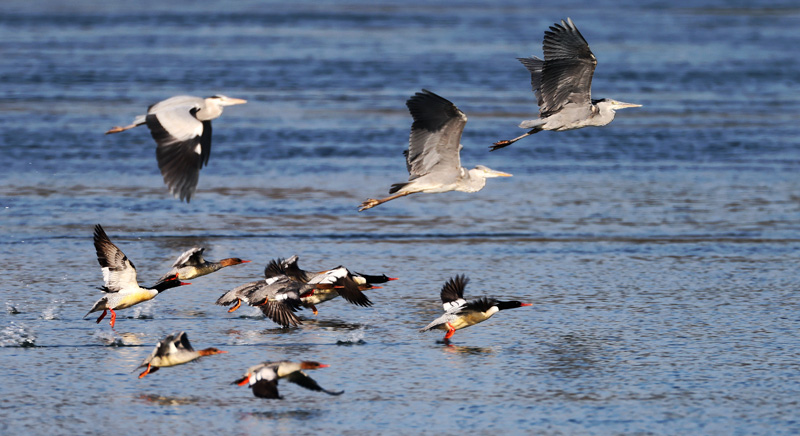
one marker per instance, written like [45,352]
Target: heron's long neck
[472,181]
[604,115]
[210,111]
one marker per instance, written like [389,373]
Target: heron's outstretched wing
[184,142]
[435,139]
[190,257]
[453,293]
[302,379]
[118,272]
[534,66]
[568,68]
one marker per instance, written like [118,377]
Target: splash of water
[17,335]
[354,337]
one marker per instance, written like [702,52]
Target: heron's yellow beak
[622,105]
[502,174]
[234,101]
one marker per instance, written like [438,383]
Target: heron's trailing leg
[506,142]
[371,202]
[118,129]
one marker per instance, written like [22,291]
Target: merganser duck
[181,127]
[263,378]
[346,283]
[119,274]
[191,264]
[459,314]
[278,298]
[171,351]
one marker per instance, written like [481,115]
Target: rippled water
[660,252]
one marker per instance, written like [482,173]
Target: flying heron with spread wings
[562,83]
[181,126]
[433,156]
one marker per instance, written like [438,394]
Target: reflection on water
[464,349]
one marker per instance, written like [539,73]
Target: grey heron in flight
[181,126]
[562,83]
[432,158]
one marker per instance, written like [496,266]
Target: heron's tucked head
[613,105]
[223,100]
[487,172]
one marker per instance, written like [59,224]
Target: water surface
[660,252]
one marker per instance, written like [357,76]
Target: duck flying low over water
[562,83]
[263,378]
[459,314]
[433,156]
[181,127]
[173,350]
[119,274]
[278,297]
[347,284]
[191,264]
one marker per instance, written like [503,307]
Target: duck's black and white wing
[480,305]
[453,293]
[302,379]
[345,284]
[181,342]
[191,257]
[118,271]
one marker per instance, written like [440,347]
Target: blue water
[660,252]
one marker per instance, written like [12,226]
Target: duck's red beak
[244,381]
[322,365]
[526,304]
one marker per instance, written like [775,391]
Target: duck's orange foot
[100,318]
[146,371]
[235,306]
[450,332]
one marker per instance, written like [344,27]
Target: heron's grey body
[181,126]
[562,83]
[433,156]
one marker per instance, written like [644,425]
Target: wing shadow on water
[291,415]
[162,400]
[334,324]
[573,355]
